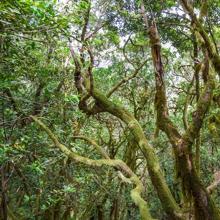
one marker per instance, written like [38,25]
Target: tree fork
[167,200]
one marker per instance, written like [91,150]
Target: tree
[154,122]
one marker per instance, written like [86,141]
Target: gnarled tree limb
[135,193]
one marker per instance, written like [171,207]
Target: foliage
[41,44]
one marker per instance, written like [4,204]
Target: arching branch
[119,164]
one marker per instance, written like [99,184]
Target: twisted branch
[119,164]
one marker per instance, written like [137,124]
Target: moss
[168,202]
[135,193]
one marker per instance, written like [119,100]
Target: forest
[109,109]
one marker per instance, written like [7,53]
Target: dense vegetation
[109,109]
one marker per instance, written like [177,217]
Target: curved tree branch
[92,142]
[119,164]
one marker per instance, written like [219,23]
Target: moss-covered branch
[168,202]
[163,121]
[182,144]
[213,55]
[100,150]
[185,108]
[198,116]
[135,193]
